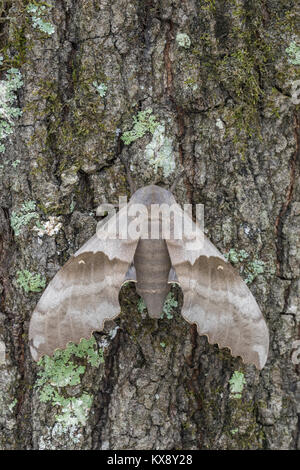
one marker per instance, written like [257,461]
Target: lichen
[159,151]
[100,88]
[169,305]
[30,282]
[74,410]
[12,405]
[183,40]
[235,257]
[50,227]
[9,112]
[144,122]
[63,370]
[141,306]
[249,269]
[237,383]
[21,218]
[293,52]
[219,124]
[253,269]
[37,12]
[16,163]
[26,213]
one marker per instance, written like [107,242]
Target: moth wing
[85,291]
[216,299]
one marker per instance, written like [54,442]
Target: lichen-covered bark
[220,82]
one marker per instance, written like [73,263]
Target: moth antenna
[128,175]
[176,181]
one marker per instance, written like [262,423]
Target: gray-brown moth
[85,291]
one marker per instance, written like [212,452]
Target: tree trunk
[222,80]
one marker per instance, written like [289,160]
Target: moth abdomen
[152,263]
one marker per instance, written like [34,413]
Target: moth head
[152,194]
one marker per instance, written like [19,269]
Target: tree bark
[219,80]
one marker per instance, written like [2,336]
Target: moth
[85,291]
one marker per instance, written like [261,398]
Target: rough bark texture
[225,94]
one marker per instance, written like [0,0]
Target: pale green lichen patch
[30,282]
[37,13]
[64,369]
[75,410]
[26,213]
[170,304]
[141,305]
[249,269]
[159,151]
[293,52]
[237,383]
[8,112]
[220,124]
[253,269]
[143,122]
[183,40]
[22,217]
[12,405]
[236,256]
[15,163]
[101,88]
[74,434]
